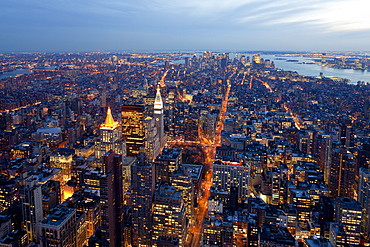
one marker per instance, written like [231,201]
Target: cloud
[203,8]
[330,16]
[237,24]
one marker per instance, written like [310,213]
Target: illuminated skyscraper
[168,216]
[133,128]
[183,182]
[158,116]
[231,174]
[256,58]
[170,108]
[63,158]
[349,213]
[152,144]
[31,198]
[110,137]
[64,227]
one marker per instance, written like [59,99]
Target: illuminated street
[210,153]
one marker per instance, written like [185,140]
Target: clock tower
[158,116]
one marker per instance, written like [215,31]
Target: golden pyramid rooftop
[109,121]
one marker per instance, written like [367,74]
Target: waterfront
[306,66]
[14,73]
[311,69]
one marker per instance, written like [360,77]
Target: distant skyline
[161,25]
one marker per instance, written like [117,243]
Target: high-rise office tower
[342,173]
[169,219]
[158,116]
[303,202]
[126,174]
[103,99]
[170,109]
[276,180]
[346,132]
[349,213]
[337,235]
[112,212]
[31,199]
[181,179]
[143,184]
[256,59]
[243,59]
[146,85]
[76,106]
[109,184]
[364,197]
[110,137]
[133,128]
[152,144]
[323,151]
[89,203]
[229,174]
[166,163]
[9,192]
[363,156]
[63,158]
[63,227]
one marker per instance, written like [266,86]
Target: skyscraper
[63,158]
[112,209]
[168,215]
[143,184]
[133,128]
[364,197]
[167,163]
[109,184]
[31,198]
[110,137]
[152,144]
[158,116]
[349,213]
[229,174]
[103,99]
[183,182]
[342,173]
[63,227]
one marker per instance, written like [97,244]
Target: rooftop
[58,216]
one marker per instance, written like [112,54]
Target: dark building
[166,163]
[51,196]
[109,183]
[143,185]
[342,173]
[272,236]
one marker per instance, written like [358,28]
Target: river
[315,70]
[307,68]
[14,73]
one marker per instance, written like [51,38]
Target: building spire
[109,121]
[158,103]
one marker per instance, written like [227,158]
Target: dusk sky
[181,25]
